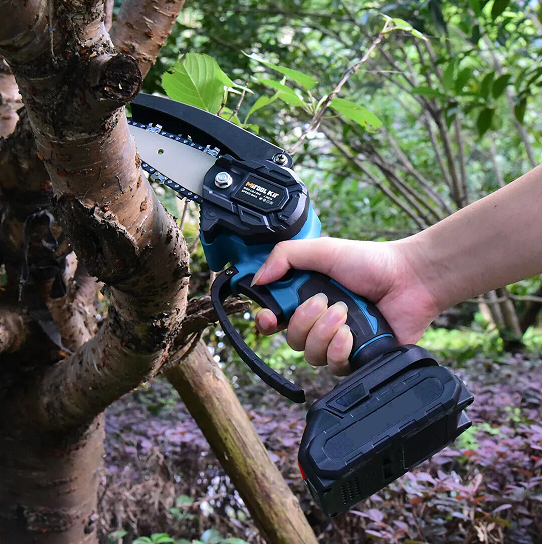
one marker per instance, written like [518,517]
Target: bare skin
[491,243]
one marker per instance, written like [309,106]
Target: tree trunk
[49,483]
[212,402]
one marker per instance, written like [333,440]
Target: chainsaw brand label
[260,194]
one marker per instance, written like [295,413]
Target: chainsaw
[399,406]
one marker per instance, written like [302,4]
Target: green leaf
[142,540]
[183,541]
[484,120]
[252,127]
[183,500]
[211,536]
[115,536]
[462,78]
[475,6]
[423,90]
[519,110]
[285,93]
[196,81]
[162,538]
[234,541]
[261,103]
[448,76]
[450,113]
[356,113]
[486,85]
[306,81]
[500,85]
[476,35]
[498,7]
[401,24]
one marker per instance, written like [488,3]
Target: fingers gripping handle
[372,334]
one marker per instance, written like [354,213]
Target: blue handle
[372,334]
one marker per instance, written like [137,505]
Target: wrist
[428,272]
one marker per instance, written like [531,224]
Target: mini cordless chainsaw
[398,407]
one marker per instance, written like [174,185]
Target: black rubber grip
[372,334]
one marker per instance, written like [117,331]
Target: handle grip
[372,334]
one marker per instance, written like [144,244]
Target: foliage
[210,536]
[457,109]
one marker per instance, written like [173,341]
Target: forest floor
[161,477]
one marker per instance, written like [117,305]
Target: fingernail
[265,322]
[336,313]
[258,275]
[343,332]
[316,305]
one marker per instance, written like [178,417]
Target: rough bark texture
[74,85]
[49,486]
[142,28]
[212,402]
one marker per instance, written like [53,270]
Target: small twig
[238,107]
[317,119]
[521,298]
[183,215]
[194,245]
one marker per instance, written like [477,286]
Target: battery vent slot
[350,490]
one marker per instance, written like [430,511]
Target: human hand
[383,272]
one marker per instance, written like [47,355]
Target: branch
[426,185]
[377,183]
[200,314]
[413,197]
[212,402]
[463,194]
[142,28]
[317,119]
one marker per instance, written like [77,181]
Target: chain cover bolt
[223,180]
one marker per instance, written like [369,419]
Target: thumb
[317,255]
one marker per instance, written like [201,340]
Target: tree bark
[49,485]
[74,85]
[212,402]
[142,28]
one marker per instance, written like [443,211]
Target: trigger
[220,291]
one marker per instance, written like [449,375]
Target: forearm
[491,243]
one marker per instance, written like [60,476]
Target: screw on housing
[280,159]
[223,180]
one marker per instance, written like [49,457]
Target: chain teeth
[158,177]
